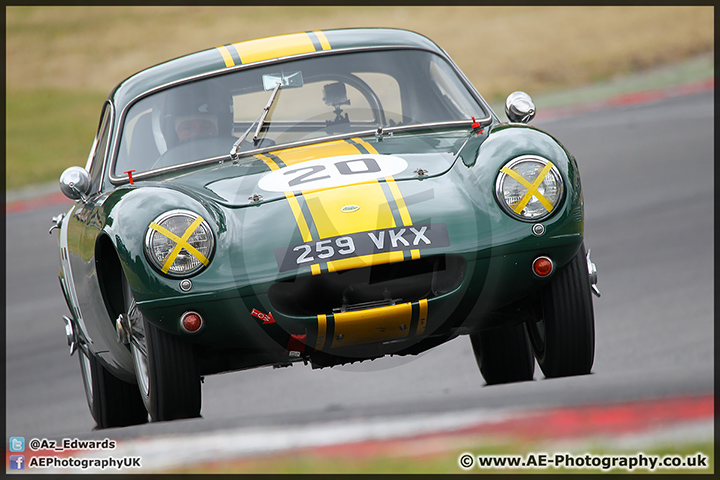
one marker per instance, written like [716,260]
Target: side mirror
[75,183]
[519,107]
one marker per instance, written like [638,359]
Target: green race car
[324,197]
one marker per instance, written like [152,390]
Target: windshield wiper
[260,120]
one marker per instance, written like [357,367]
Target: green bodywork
[492,251]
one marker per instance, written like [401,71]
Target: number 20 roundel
[332,172]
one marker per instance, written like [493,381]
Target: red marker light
[129,173]
[191,322]
[543,266]
[475,125]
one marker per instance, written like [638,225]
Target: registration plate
[416,237]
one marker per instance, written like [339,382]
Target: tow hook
[56,222]
[122,326]
[592,273]
[71,334]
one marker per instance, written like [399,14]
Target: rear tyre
[563,339]
[166,368]
[504,354]
[112,402]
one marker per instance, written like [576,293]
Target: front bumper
[250,327]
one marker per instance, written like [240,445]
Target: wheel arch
[109,274]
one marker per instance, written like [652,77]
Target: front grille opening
[368,287]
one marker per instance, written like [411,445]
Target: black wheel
[166,369]
[504,354]
[112,402]
[563,339]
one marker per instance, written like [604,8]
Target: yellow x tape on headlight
[181,242]
[532,187]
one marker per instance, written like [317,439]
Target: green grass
[48,131]
[61,62]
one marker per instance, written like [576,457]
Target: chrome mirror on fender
[75,183]
[519,107]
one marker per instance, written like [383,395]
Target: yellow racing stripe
[299,217]
[261,49]
[268,161]
[397,196]
[274,47]
[292,201]
[394,189]
[323,39]
[296,209]
[295,155]
[229,62]
[325,205]
[367,146]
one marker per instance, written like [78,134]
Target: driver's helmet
[194,110]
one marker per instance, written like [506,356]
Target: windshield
[318,97]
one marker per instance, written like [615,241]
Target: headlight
[529,188]
[179,243]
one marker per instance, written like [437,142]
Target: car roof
[235,55]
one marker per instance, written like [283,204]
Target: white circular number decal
[332,172]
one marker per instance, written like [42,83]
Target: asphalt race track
[647,174]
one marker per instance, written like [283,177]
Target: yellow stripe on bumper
[422,321]
[375,325]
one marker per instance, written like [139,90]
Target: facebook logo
[17,444]
[17,462]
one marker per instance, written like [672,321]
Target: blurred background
[648,185]
[62,62]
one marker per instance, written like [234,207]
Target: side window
[100,147]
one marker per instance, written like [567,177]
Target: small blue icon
[17,444]
[17,462]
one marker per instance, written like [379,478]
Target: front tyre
[165,366]
[563,339]
[112,402]
[504,354]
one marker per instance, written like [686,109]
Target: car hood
[297,171]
